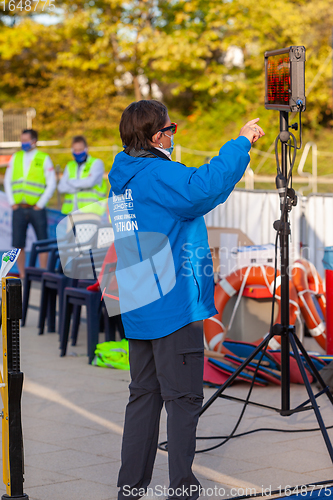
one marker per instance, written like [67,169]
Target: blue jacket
[157,209]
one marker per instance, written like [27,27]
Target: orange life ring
[214,330]
[308,283]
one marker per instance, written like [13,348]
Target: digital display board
[278,79]
[285,79]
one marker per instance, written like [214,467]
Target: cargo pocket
[190,371]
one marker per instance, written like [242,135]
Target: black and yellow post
[11,390]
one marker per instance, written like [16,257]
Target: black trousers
[22,217]
[167,370]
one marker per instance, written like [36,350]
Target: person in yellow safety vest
[29,184]
[82,181]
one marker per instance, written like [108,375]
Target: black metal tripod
[287,332]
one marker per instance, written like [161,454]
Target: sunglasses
[172,127]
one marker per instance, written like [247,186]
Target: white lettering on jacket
[126,226]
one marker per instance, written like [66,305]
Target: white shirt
[73,186]
[164,151]
[50,177]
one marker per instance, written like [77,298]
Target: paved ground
[73,418]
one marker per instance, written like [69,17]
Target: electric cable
[243,409]
[299,106]
[300,130]
[267,429]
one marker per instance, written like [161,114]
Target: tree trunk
[137,91]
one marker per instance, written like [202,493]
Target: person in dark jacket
[166,286]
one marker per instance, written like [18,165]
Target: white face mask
[170,149]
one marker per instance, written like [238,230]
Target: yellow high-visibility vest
[30,188]
[89,200]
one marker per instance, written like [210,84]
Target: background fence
[255,211]
[12,123]
[306,177]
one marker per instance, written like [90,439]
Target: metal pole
[114,151]
[314,168]
[57,172]
[1,126]
[284,246]
[249,178]
[13,378]
[178,153]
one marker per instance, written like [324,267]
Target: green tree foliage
[205,56]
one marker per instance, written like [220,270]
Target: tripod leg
[235,374]
[314,369]
[311,396]
[285,373]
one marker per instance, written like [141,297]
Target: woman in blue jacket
[166,286]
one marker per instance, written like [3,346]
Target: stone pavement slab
[73,417]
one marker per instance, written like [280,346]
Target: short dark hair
[140,121]
[33,133]
[79,138]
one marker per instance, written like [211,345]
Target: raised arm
[192,192]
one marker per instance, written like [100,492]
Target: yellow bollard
[11,390]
